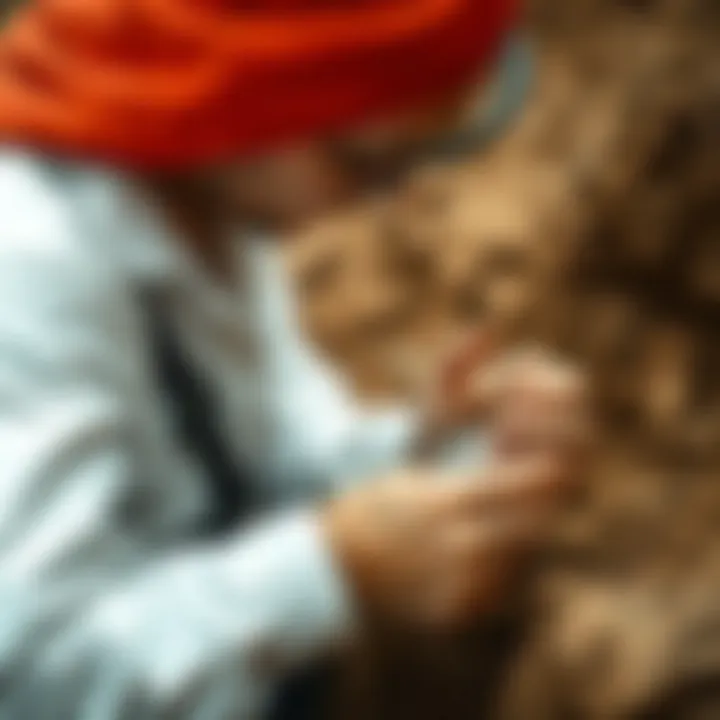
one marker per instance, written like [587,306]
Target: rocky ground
[594,226]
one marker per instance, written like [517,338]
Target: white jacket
[109,610]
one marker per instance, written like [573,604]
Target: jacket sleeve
[96,624]
[323,432]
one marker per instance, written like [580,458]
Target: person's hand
[437,551]
[456,397]
[538,406]
[445,552]
[529,400]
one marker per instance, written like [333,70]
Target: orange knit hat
[176,83]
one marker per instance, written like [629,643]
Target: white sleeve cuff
[394,431]
[381,441]
[307,606]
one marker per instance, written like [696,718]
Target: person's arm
[325,434]
[326,426]
[325,437]
[95,624]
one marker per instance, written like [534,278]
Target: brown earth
[593,226]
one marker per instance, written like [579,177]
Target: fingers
[488,383]
[529,368]
[544,376]
[481,558]
[514,484]
[529,427]
[450,398]
[535,370]
[501,532]
[472,349]
[472,352]
[543,408]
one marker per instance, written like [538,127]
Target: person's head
[293,103]
[294,183]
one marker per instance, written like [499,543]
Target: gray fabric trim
[499,102]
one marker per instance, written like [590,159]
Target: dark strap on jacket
[305,696]
[195,415]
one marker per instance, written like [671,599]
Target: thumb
[474,349]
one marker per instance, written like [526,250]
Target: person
[192,506]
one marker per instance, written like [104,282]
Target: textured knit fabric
[178,83]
